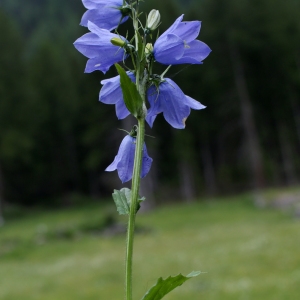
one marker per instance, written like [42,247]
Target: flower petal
[125,165]
[146,162]
[124,160]
[175,110]
[111,93]
[188,31]
[107,17]
[121,110]
[155,105]
[91,4]
[113,166]
[88,45]
[171,101]
[150,119]
[101,63]
[103,34]
[168,49]
[96,45]
[173,26]
[196,52]
[194,104]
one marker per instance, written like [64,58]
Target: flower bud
[117,42]
[125,10]
[148,49]
[153,20]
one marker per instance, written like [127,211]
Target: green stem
[136,178]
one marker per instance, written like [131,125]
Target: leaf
[164,286]
[122,199]
[121,202]
[131,96]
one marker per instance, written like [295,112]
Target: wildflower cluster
[103,48]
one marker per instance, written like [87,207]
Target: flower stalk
[136,178]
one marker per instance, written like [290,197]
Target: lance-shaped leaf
[165,286]
[131,96]
[122,199]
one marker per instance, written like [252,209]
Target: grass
[247,253]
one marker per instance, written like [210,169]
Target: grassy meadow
[78,253]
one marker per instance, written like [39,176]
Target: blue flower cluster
[177,45]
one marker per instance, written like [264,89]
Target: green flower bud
[148,49]
[117,42]
[125,10]
[153,20]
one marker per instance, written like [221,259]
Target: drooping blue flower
[96,45]
[124,160]
[111,93]
[169,99]
[178,44]
[106,14]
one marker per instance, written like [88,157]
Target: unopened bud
[153,20]
[125,10]
[117,42]
[148,49]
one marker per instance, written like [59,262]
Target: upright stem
[136,178]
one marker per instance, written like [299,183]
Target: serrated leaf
[121,202]
[131,96]
[122,199]
[165,286]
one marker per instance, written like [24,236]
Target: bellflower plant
[138,91]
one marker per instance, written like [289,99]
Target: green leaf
[122,199]
[164,286]
[132,98]
[121,202]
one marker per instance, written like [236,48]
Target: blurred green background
[78,253]
[56,139]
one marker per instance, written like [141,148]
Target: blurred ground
[247,252]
